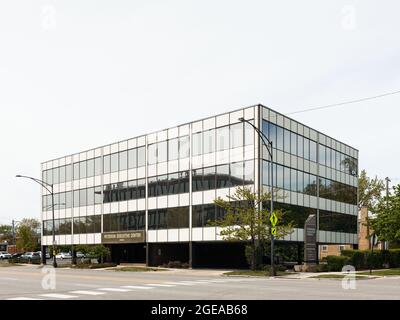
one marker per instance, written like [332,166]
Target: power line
[344,103]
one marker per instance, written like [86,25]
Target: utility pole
[387,203]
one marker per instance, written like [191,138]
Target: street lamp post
[50,188]
[269,146]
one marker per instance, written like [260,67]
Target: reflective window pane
[152,154]
[173,149]
[114,162]
[82,170]
[208,141]
[90,168]
[162,151]
[97,166]
[123,160]
[141,156]
[107,163]
[236,133]
[132,158]
[249,134]
[184,147]
[223,138]
[62,174]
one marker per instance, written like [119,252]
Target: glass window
[162,185]
[90,168]
[306,148]
[107,193]
[90,196]
[152,153]
[321,154]
[293,180]
[68,173]
[306,186]
[82,170]
[279,177]
[132,190]
[249,172]
[123,160]
[56,175]
[209,178]
[286,146]
[114,192]
[82,197]
[76,198]
[313,151]
[272,135]
[293,143]
[68,199]
[208,214]
[237,174]
[197,180]
[184,182]
[97,195]
[173,149]
[152,186]
[279,138]
[184,147]
[141,190]
[328,157]
[132,158]
[162,151]
[249,134]
[173,183]
[197,216]
[237,135]
[197,144]
[114,162]
[300,146]
[209,141]
[107,164]
[223,138]
[141,156]
[97,166]
[222,176]
[49,178]
[61,199]
[300,181]
[62,174]
[266,178]
[123,191]
[286,178]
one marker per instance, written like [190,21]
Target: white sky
[79,74]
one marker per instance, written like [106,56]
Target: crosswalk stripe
[24,298]
[113,289]
[58,296]
[160,285]
[89,293]
[137,287]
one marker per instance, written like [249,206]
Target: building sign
[310,239]
[123,237]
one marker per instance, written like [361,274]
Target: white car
[63,255]
[4,255]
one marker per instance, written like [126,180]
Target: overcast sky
[79,74]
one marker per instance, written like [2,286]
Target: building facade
[150,198]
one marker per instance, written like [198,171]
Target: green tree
[28,235]
[369,191]
[6,233]
[99,251]
[386,221]
[245,221]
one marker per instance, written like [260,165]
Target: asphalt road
[25,283]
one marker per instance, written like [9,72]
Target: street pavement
[31,283]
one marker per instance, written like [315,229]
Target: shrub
[336,263]
[366,259]
[322,267]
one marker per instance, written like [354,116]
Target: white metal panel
[197,198]
[162,202]
[173,200]
[162,135]
[132,174]
[82,239]
[90,210]
[197,162]
[76,239]
[162,168]
[173,133]
[114,177]
[132,143]
[208,196]
[184,130]
[173,166]
[97,238]
[123,176]
[141,204]
[152,203]
[184,164]
[114,207]
[209,123]
[162,235]
[209,234]
[90,238]
[132,205]
[173,235]
[197,126]
[197,234]
[222,120]
[152,170]
[184,235]
[68,239]
[123,206]
[184,199]
[152,236]
[141,172]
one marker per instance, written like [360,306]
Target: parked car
[80,255]
[16,255]
[4,255]
[30,256]
[63,255]
[47,255]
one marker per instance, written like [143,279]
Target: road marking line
[23,298]
[160,285]
[89,293]
[113,289]
[13,279]
[180,283]
[137,287]
[58,296]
